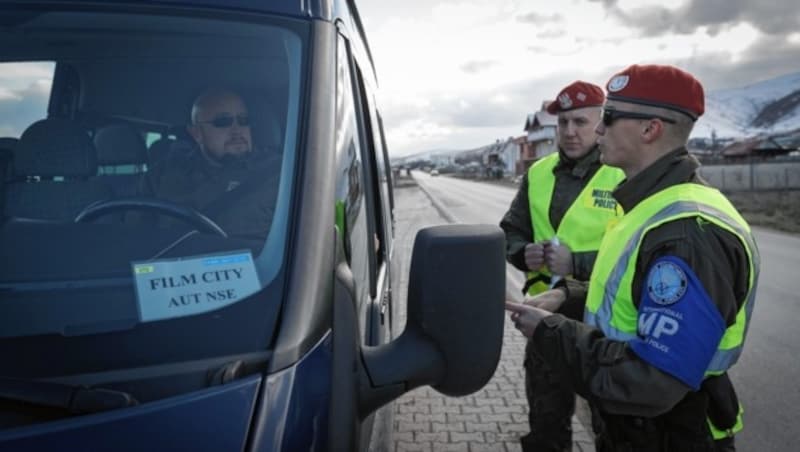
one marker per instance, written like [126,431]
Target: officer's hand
[534,256]
[558,259]
[549,300]
[526,318]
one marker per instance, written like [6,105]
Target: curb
[436,203]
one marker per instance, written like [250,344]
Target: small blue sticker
[666,283]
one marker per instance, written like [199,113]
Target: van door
[362,204]
[378,202]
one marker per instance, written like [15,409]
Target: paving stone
[462,417]
[438,417]
[499,447]
[481,427]
[496,418]
[448,427]
[451,447]
[414,427]
[474,437]
[439,437]
[403,446]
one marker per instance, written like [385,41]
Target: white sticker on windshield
[188,286]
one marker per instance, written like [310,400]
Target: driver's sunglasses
[223,122]
[610,115]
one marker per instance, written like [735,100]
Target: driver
[225,177]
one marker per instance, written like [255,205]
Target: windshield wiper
[73,398]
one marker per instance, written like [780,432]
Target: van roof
[327,10]
[308,9]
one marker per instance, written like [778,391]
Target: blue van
[196,234]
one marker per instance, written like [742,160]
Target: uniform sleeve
[516,224]
[603,371]
[622,379]
[582,264]
[716,257]
[575,303]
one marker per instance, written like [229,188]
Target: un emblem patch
[666,283]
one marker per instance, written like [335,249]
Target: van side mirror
[454,330]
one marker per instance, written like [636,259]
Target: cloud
[21,107]
[540,19]
[469,71]
[606,3]
[768,57]
[771,17]
[473,67]
[552,33]
[539,49]
[478,118]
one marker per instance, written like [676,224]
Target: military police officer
[673,286]
[554,226]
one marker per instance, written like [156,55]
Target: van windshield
[147,166]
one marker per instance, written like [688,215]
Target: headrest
[119,144]
[158,150]
[9,143]
[271,131]
[55,147]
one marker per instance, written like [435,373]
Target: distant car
[434,172]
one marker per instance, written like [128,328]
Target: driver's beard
[234,160]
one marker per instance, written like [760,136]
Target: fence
[773,175]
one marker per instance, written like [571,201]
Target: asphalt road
[767,376]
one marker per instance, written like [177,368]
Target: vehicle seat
[7,147]
[268,133]
[121,156]
[54,168]
[158,151]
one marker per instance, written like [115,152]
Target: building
[763,146]
[541,139]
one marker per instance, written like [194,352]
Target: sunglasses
[610,115]
[223,122]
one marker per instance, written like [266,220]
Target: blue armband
[679,327]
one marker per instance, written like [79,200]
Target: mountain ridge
[763,107]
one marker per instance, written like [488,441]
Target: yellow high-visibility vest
[583,224]
[609,302]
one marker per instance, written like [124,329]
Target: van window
[25,90]
[103,249]
[350,184]
[379,183]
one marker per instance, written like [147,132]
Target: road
[766,376]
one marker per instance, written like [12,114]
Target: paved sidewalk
[492,419]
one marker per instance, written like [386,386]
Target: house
[764,146]
[501,158]
[541,139]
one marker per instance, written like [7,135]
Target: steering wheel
[159,206]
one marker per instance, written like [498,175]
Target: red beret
[658,86]
[577,95]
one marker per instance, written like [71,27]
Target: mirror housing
[454,329]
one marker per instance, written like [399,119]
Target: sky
[460,74]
